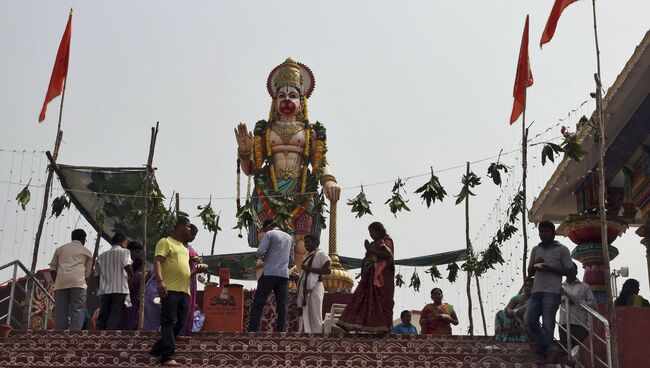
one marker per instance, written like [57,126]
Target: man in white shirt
[70,266]
[113,268]
[579,318]
[310,288]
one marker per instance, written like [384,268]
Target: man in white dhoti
[310,287]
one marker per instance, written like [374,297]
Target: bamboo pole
[147,183]
[480,303]
[611,311]
[470,253]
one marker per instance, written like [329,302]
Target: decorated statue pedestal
[585,231]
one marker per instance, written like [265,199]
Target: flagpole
[611,311]
[524,168]
[48,182]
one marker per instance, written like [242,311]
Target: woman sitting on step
[436,318]
[509,323]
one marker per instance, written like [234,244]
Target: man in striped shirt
[113,268]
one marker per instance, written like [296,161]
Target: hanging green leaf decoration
[435,274]
[452,268]
[59,204]
[432,190]
[469,181]
[209,218]
[24,196]
[494,172]
[245,216]
[415,281]
[516,207]
[397,203]
[360,205]
[168,221]
[399,280]
[571,147]
[549,151]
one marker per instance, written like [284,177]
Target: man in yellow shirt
[172,269]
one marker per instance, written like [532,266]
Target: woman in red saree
[436,318]
[371,308]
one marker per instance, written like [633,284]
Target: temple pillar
[585,232]
[637,192]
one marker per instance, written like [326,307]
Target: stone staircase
[130,349]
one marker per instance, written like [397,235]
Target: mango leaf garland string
[24,196]
[397,203]
[432,190]
[360,205]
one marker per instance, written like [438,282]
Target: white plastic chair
[332,317]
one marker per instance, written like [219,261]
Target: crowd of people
[170,290]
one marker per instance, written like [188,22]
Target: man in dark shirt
[549,261]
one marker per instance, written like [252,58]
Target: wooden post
[178,202]
[524,207]
[470,253]
[147,183]
[96,251]
[611,311]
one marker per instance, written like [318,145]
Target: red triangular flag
[551,23]
[60,70]
[523,79]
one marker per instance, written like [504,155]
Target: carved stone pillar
[584,231]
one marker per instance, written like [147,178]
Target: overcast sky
[401,86]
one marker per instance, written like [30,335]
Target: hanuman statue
[286,156]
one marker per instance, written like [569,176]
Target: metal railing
[31,284]
[570,306]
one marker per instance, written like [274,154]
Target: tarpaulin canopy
[112,200]
[242,265]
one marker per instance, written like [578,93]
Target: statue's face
[287,101]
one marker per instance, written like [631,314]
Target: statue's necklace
[286,132]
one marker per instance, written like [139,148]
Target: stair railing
[572,307]
[28,293]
